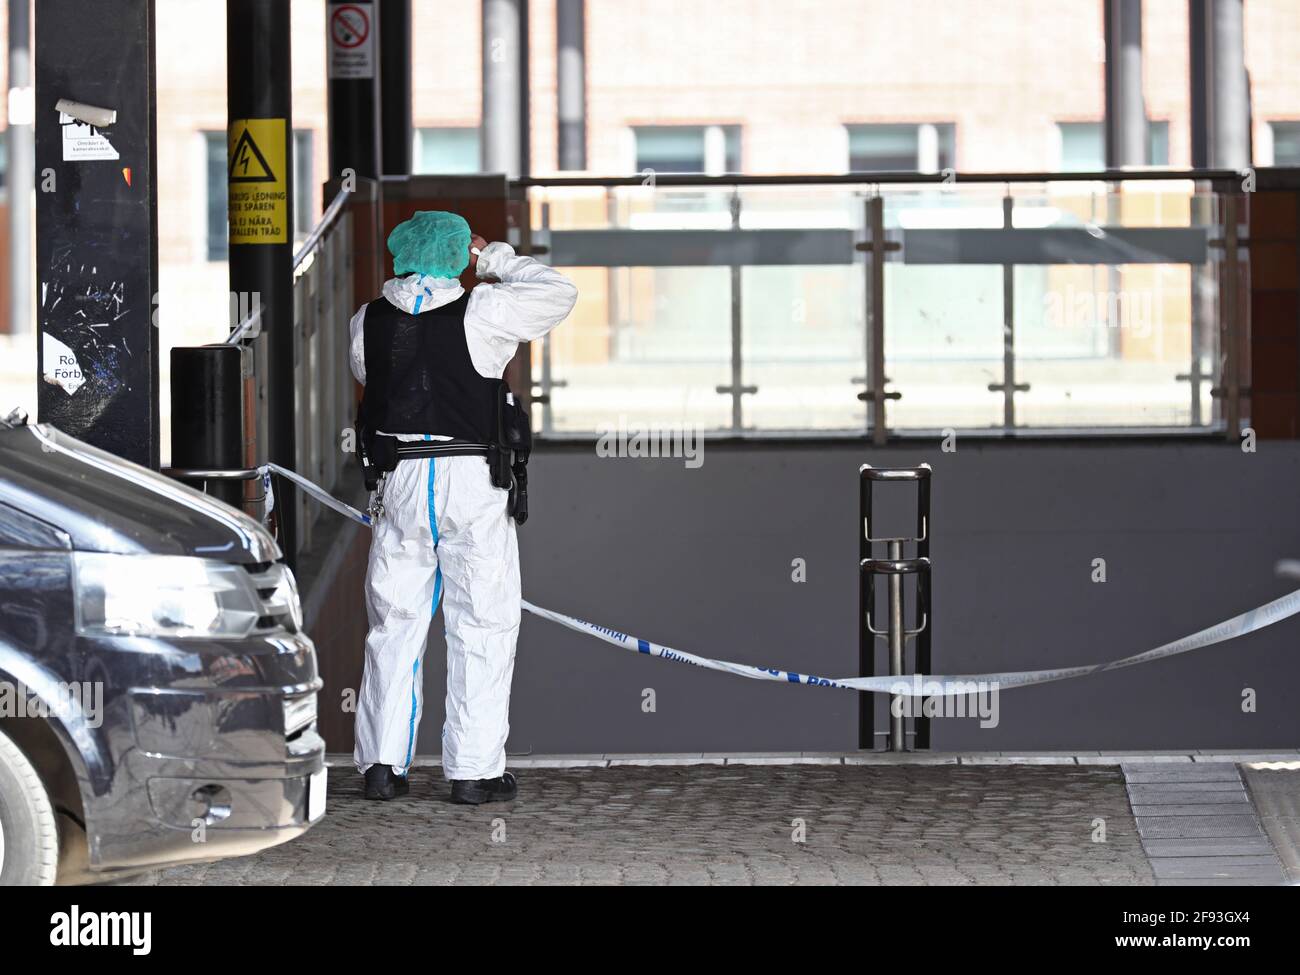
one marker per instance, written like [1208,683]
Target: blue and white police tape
[912,685]
[935,685]
[312,489]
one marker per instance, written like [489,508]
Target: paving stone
[720,824]
[1017,760]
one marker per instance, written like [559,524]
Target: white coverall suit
[444,527]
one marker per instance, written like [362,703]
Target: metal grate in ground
[1198,826]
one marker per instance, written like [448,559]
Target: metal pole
[1198,66]
[505,40]
[352,58]
[395,86]
[737,303]
[1230,93]
[1008,387]
[22,157]
[866,639]
[897,736]
[1220,95]
[924,607]
[876,332]
[1126,116]
[97,228]
[571,82]
[1008,325]
[259,108]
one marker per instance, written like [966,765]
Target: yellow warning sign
[259,200]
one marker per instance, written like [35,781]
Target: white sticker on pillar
[352,41]
[60,365]
[82,142]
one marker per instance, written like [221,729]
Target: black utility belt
[411,449]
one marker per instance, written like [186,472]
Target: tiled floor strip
[1198,826]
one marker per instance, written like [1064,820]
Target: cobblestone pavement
[719,825]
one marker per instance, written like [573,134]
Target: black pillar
[97,224]
[260,127]
[395,85]
[352,63]
[1198,68]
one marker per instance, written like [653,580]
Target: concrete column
[1127,141]
[571,82]
[1220,93]
[505,87]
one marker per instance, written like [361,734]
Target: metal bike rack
[894,566]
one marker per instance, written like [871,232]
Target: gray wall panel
[700,560]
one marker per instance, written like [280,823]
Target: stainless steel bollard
[896,634]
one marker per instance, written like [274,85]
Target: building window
[1286,143]
[446,150]
[925,148]
[1083,146]
[218,246]
[304,189]
[708,149]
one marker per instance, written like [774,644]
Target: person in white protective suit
[431,357]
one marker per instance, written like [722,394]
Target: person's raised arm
[520,298]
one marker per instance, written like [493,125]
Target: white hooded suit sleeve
[357,345]
[527,300]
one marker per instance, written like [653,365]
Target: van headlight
[162,595]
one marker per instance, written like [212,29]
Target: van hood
[106,504]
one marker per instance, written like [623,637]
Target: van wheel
[29,834]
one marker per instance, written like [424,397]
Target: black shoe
[473,792]
[383,783]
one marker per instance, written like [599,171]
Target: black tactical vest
[419,375]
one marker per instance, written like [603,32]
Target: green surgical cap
[432,242]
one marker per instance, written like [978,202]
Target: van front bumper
[204,764]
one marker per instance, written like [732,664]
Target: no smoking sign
[352,41]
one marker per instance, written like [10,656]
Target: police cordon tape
[910,685]
[933,685]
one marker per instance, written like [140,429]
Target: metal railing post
[876,364]
[548,382]
[875,331]
[736,388]
[1008,387]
